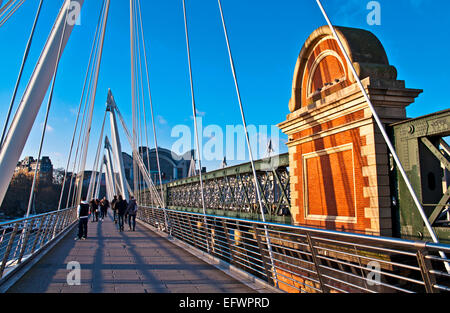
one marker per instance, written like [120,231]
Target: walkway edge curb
[17,273]
[247,279]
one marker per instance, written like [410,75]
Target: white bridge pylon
[116,146]
[108,178]
[110,168]
[30,104]
[32,98]
[140,165]
[112,162]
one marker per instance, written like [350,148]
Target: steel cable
[5,7]
[92,99]
[49,104]
[151,107]
[6,18]
[85,93]
[96,161]
[78,116]
[80,147]
[238,93]
[194,112]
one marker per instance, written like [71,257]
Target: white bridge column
[32,98]
[116,146]
[109,165]
[99,178]
[108,179]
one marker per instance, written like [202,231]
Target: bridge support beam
[32,98]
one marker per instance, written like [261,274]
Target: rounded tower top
[321,67]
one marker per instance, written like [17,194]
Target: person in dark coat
[113,207]
[121,207]
[104,205]
[83,217]
[93,207]
[132,209]
[97,209]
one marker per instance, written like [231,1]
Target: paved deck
[125,262]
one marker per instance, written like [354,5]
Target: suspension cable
[5,7]
[85,92]
[24,60]
[6,18]
[151,109]
[133,85]
[83,128]
[142,111]
[49,104]
[96,161]
[141,100]
[78,115]
[194,112]
[99,178]
[88,92]
[258,192]
[93,96]
[139,161]
[75,162]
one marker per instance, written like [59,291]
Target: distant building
[128,167]
[173,166]
[87,178]
[29,165]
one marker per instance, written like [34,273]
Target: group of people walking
[122,212]
[99,209]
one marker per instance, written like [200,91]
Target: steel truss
[233,190]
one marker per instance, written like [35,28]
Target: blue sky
[266,38]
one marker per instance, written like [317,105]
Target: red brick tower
[339,164]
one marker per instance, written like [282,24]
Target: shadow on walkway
[125,262]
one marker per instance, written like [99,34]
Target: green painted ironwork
[231,192]
[425,156]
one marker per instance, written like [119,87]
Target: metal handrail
[308,259]
[23,238]
[28,218]
[379,239]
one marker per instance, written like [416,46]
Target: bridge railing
[20,239]
[302,259]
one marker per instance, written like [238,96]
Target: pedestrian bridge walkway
[210,254]
[125,262]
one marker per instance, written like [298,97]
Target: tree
[16,199]
[46,196]
[58,176]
